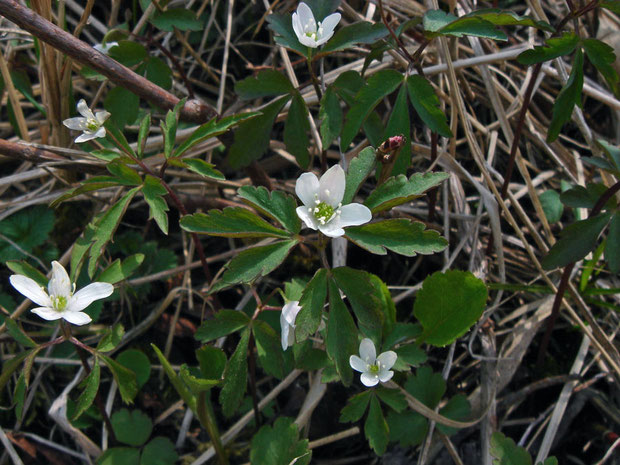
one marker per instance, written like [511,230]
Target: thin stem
[252,370]
[432,195]
[207,419]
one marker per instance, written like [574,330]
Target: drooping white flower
[91,124]
[322,199]
[60,301]
[308,31]
[105,48]
[287,323]
[373,368]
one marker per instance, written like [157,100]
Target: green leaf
[411,354]
[437,22]
[267,83]
[123,106]
[282,26]
[124,377]
[341,340]
[585,197]
[196,384]
[402,332]
[400,123]
[612,247]
[254,263]
[158,451]
[131,427]
[408,428]
[86,187]
[448,305]
[136,361]
[276,205]
[18,333]
[312,302]
[169,128]
[330,115]
[225,323]
[231,222]
[569,96]
[551,205]
[179,386]
[9,366]
[28,228]
[401,235]
[457,408]
[19,396]
[500,17]
[360,168]
[398,190]
[118,271]
[210,129]
[611,5]
[393,398]
[111,338]
[379,85]
[308,357]
[507,452]
[91,386]
[575,242]
[128,53]
[426,386]
[602,56]
[158,72]
[386,304]
[201,167]
[235,376]
[116,137]
[555,47]
[356,33]
[153,192]
[212,361]
[426,104]
[120,456]
[279,445]
[177,18]
[268,348]
[124,174]
[296,130]
[252,136]
[355,408]
[612,152]
[376,428]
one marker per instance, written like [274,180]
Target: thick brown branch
[27,153]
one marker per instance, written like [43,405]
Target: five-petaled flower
[91,124]
[373,368]
[323,209]
[60,301]
[308,31]
[287,323]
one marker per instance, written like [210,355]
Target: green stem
[207,419]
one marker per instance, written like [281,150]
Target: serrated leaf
[509,18]
[312,302]
[355,408]
[252,136]
[131,427]
[175,380]
[551,205]
[267,83]
[282,26]
[401,235]
[91,386]
[224,323]
[398,190]
[457,408]
[124,174]
[507,452]
[158,451]
[612,246]
[569,96]
[554,47]
[401,332]
[124,377]
[89,187]
[111,338]
[376,428]
[378,86]
[153,192]
[426,104]
[231,222]
[212,361]
[438,22]
[276,205]
[341,340]
[28,228]
[201,167]
[393,398]
[356,33]
[602,56]
[279,445]
[120,455]
[118,271]
[410,354]
[169,127]
[386,304]
[448,305]
[359,169]
[296,130]
[177,18]
[254,263]
[268,348]
[235,376]
[195,383]
[426,386]
[408,428]
[399,124]
[330,115]
[18,334]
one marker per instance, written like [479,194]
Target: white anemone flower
[91,124]
[287,323]
[322,199]
[308,31]
[105,49]
[60,301]
[373,368]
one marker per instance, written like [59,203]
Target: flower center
[374,369]
[92,125]
[312,35]
[59,302]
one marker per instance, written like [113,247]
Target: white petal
[30,289]
[329,24]
[102,116]
[297,27]
[306,188]
[354,214]
[332,229]
[368,352]
[60,284]
[385,375]
[324,38]
[331,186]
[358,364]
[290,311]
[84,297]
[369,380]
[100,132]
[308,41]
[83,110]
[307,217]
[78,123]
[77,318]
[387,359]
[306,18]
[285,331]
[47,313]
[85,137]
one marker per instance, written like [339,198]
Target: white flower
[287,323]
[90,124]
[373,368]
[59,301]
[306,29]
[323,209]
[105,48]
